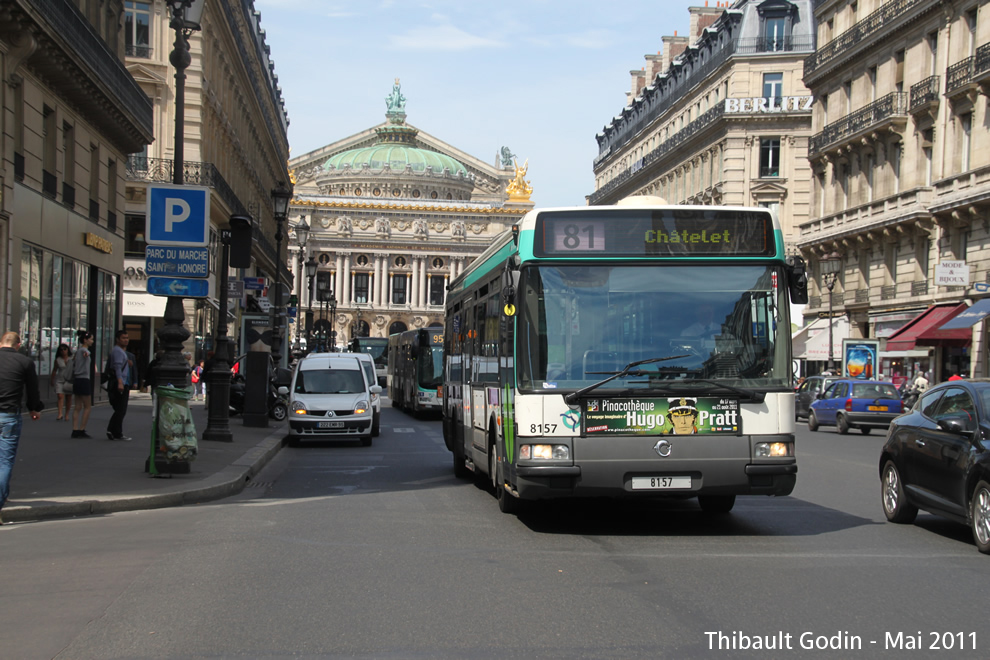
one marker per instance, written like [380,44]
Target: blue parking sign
[178,215]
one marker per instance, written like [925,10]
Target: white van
[368,363]
[330,397]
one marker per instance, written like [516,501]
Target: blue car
[856,404]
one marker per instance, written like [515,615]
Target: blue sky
[541,77]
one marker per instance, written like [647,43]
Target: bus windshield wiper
[572,398]
[753,395]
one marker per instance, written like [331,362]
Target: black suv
[810,389]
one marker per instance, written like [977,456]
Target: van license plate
[660,483]
[329,425]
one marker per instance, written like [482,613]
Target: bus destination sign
[656,233]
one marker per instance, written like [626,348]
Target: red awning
[923,331]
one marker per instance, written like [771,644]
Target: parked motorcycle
[909,395]
[278,408]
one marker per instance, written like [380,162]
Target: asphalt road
[342,551]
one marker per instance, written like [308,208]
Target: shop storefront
[59,296]
[948,349]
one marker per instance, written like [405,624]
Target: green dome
[396,156]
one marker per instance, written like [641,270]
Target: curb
[229,481]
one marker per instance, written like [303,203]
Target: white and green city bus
[415,369]
[626,351]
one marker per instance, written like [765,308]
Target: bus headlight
[774,449]
[545,452]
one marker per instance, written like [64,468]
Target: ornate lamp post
[332,302]
[186,16]
[830,266]
[281,196]
[311,267]
[301,230]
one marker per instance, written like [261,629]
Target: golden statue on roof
[519,189]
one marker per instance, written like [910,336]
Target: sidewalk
[56,476]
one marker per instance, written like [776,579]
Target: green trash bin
[173,437]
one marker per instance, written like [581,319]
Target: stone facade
[901,168]
[72,113]
[726,120]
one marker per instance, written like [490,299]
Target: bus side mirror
[797,280]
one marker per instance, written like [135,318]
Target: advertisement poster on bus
[860,358]
[679,415]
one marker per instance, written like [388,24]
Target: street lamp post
[301,230]
[332,302]
[186,16]
[830,266]
[281,196]
[311,267]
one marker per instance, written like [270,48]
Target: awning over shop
[925,331]
[969,317]
[216,305]
[816,346]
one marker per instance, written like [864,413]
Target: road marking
[404,429]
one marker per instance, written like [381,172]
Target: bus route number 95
[579,236]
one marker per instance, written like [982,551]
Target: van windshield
[329,382]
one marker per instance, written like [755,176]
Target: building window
[137,28]
[134,243]
[399,289]
[773,85]
[438,263]
[362,260]
[49,136]
[361,287]
[400,261]
[94,182]
[68,165]
[769,157]
[775,26]
[966,127]
[436,289]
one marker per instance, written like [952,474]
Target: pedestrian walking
[198,382]
[17,378]
[82,384]
[62,380]
[118,386]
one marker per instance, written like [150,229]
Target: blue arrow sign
[178,215]
[177,286]
[177,261]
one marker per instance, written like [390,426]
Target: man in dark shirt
[17,376]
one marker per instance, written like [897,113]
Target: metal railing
[161,170]
[668,145]
[959,74]
[924,92]
[752,45]
[891,105]
[860,33]
[134,50]
[919,288]
[888,292]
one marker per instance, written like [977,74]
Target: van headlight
[298,408]
[361,407]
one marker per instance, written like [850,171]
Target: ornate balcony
[888,113]
[925,96]
[160,170]
[861,36]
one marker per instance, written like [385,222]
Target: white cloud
[441,38]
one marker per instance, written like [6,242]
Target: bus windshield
[579,324]
[429,367]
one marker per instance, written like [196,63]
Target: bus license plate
[329,425]
[877,408]
[661,483]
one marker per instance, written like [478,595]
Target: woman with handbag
[62,380]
